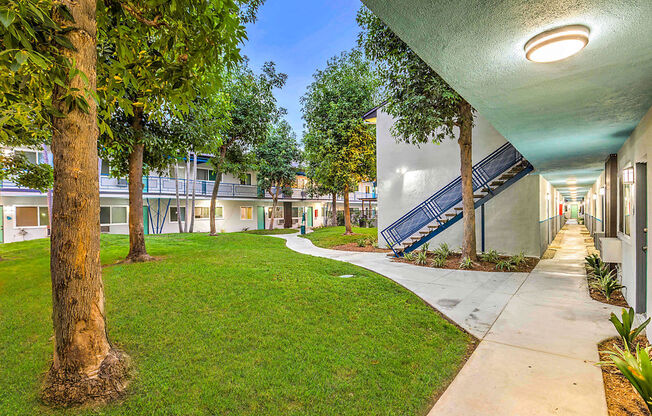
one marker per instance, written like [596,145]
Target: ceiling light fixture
[571,181]
[557,44]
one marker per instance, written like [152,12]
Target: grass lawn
[236,325]
[328,237]
[273,232]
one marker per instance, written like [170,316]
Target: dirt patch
[454,259]
[622,398]
[355,247]
[129,261]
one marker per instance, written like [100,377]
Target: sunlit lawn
[236,325]
[328,237]
[275,231]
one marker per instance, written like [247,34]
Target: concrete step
[450,214]
[497,183]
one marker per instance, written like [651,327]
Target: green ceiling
[565,117]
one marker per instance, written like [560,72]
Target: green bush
[505,265]
[624,327]
[409,256]
[637,368]
[466,263]
[362,242]
[425,247]
[438,262]
[600,271]
[491,256]
[607,284]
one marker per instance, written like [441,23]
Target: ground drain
[346,276]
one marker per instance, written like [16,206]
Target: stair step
[487,190]
[425,232]
[478,196]
[459,209]
[450,214]
[497,183]
[415,238]
[433,227]
[507,176]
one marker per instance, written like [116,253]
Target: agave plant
[593,261]
[443,251]
[624,327]
[505,265]
[424,247]
[421,258]
[606,284]
[491,256]
[636,368]
[409,256]
[601,271]
[466,263]
[518,259]
[438,262]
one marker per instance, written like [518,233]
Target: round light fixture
[557,44]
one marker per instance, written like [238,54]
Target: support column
[611,196]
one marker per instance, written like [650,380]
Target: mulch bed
[622,398]
[616,299]
[454,259]
[355,247]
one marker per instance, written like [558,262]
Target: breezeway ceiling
[564,117]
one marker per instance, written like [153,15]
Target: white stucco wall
[408,174]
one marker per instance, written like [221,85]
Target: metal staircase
[493,174]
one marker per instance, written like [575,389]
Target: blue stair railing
[433,209]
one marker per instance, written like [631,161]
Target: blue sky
[300,36]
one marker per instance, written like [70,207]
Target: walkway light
[602,190]
[557,44]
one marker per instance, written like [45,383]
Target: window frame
[221,217]
[38,216]
[252,212]
[622,210]
[177,220]
[126,207]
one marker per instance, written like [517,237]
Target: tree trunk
[468,203]
[334,213]
[176,186]
[137,250]
[216,187]
[274,204]
[194,187]
[347,212]
[85,367]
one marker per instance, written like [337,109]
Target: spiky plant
[607,284]
[624,327]
[466,263]
[636,368]
[491,256]
[505,265]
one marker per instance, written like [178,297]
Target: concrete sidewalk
[538,331]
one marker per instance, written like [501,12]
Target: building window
[105,168]
[113,215]
[173,214]
[219,212]
[246,213]
[246,180]
[626,200]
[279,212]
[31,216]
[202,174]
[202,212]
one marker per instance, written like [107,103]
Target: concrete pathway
[538,331]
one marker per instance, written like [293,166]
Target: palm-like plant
[637,369]
[607,284]
[624,327]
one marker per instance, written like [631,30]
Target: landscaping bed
[454,259]
[616,298]
[357,247]
[622,398]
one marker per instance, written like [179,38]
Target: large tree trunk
[176,188]
[334,212]
[194,188]
[137,250]
[468,203]
[216,187]
[271,220]
[347,212]
[85,367]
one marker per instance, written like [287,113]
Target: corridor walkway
[538,331]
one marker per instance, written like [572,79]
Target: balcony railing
[157,185]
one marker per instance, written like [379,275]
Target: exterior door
[309,217]
[640,222]
[261,218]
[574,211]
[2,220]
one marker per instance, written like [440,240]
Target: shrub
[362,242]
[409,256]
[637,368]
[492,256]
[606,284]
[518,259]
[505,265]
[624,327]
[424,247]
[600,271]
[421,258]
[438,262]
[466,263]
[375,244]
[443,251]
